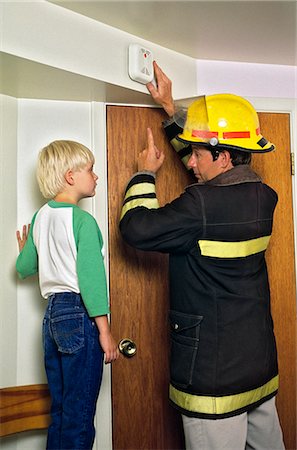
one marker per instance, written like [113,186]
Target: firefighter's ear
[225,158]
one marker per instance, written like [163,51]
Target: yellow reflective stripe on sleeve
[222,249]
[140,189]
[150,203]
[221,405]
[177,145]
[185,161]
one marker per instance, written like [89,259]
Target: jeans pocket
[68,332]
[185,333]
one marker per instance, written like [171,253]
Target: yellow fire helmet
[224,120]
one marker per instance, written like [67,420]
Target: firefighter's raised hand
[151,158]
[162,94]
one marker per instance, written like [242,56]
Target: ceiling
[245,31]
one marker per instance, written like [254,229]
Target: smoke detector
[140,64]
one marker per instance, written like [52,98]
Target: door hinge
[292,164]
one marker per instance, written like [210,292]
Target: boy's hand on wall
[22,238]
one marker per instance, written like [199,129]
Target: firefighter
[223,363]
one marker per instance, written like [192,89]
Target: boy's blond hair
[53,162]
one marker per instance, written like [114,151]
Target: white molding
[8,243]
[103,419]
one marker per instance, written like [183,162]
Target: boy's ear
[69,177]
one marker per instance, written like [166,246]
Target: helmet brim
[220,147]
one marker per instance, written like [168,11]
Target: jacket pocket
[185,333]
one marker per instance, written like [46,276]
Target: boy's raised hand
[22,238]
[151,158]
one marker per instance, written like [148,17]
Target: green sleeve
[90,266]
[27,261]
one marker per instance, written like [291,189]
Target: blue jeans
[74,365]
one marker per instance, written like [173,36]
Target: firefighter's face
[203,165]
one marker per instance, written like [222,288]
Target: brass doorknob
[127,347]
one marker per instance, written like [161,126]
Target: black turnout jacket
[223,353]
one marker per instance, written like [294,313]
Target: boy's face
[85,181]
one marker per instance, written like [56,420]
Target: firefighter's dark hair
[237,157]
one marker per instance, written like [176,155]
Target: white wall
[40,122]
[48,34]
[246,79]
[8,215]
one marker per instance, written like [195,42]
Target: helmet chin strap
[213,143]
[215,154]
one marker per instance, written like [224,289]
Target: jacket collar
[237,175]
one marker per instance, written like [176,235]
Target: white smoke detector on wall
[140,64]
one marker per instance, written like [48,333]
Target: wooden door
[142,417]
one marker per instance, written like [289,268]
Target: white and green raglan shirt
[65,246]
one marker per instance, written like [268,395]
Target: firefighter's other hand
[151,158]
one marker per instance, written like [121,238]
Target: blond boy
[64,245]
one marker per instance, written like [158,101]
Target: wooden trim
[24,408]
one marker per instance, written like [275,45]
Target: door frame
[100,211]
